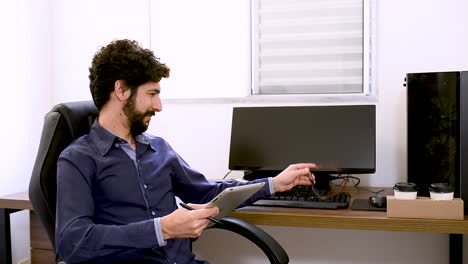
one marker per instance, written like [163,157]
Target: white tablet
[230,198]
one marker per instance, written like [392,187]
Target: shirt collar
[145,139]
[104,139]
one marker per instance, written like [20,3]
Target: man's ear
[121,91]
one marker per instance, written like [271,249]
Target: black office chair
[68,121]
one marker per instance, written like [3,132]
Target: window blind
[307,46]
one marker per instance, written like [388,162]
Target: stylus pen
[316,192]
[214,220]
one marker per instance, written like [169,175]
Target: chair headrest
[79,116]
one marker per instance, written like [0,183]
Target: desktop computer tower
[438,130]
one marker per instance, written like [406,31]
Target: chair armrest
[272,249]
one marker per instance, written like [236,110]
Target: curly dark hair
[123,60]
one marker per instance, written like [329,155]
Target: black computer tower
[438,130]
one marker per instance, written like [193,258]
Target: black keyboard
[304,197]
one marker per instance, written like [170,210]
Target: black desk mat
[363,205]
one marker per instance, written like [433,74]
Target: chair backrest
[62,125]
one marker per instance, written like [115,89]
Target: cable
[356,182]
[365,189]
[227,174]
[338,192]
[345,179]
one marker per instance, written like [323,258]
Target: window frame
[369,51]
[368,97]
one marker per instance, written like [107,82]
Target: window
[311,47]
[260,50]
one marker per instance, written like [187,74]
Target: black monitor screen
[339,139]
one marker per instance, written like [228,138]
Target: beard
[136,119]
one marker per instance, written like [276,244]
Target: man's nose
[157,104]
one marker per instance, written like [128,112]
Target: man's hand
[183,223]
[296,174]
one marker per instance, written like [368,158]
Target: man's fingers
[197,206]
[201,211]
[205,212]
[304,172]
[299,166]
[303,177]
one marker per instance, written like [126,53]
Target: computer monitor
[339,139]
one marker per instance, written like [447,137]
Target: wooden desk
[347,218]
[41,251]
[357,220]
[41,248]
[10,204]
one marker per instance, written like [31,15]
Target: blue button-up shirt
[110,199]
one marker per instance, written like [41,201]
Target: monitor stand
[322,181]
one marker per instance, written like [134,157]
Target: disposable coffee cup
[405,191]
[441,191]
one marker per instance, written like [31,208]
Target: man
[116,186]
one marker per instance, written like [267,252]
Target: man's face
[141,106]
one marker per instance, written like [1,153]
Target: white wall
[25,78]
[80,28]
[26,87]
[206,49]
[412,36]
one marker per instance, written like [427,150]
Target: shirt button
[153,213]
[117,145]
[145,186]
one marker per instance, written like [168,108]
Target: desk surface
[16,201]
[347,218]
[315,218]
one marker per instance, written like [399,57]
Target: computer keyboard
[304,197]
